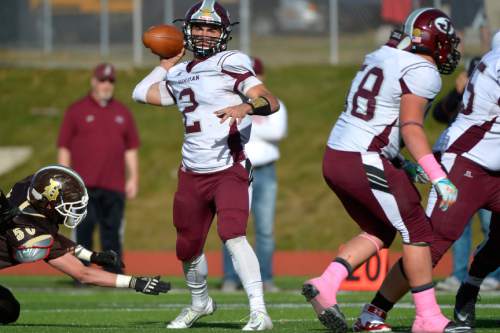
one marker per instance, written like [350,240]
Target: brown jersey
[30,236]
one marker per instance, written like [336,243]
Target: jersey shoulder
[235,60]
[492,62]
[29,243]
[18,194]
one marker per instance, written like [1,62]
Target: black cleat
[331,317]
[453,327]
[465,305]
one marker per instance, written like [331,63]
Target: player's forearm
[152,89]
[263,103]
[415,141]
[64,156]
[98,277]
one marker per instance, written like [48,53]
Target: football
[163,40]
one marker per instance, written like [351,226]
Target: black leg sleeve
[9,307]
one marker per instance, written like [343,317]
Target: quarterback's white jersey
[475,134]
[370,121]
[202,87]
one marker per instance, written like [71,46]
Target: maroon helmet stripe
[240,77]
[381,140]
[470,138]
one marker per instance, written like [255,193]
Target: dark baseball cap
[258,66]
[105,71]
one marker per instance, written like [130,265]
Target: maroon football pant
[199,197]
[377,195]
[477,188]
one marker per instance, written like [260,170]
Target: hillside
[308,215]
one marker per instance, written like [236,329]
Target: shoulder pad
[42,241]
[37,248]
[234,60]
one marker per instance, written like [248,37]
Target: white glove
[447,191]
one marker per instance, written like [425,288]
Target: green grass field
[33,101]
[54,305]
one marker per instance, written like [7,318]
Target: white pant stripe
[386,200]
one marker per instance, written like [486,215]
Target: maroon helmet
[207,12]
[432,33]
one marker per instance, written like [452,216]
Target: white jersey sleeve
[475,134]
[370,121]
[412,80]
[239,66]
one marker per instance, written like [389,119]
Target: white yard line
[235,306]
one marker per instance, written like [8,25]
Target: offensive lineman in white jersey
[386,105]
[471,155]
[215,92]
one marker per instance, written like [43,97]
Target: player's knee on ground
[231,223]
[188,249]
[9,307]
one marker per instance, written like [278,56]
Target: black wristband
[260,106]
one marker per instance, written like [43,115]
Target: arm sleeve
[67,130]
[239,67]
[271,128]
[423,81]
[141,89]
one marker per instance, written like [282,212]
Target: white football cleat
[259,321]
[372,319]
[189,315]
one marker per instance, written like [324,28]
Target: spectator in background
[471,14]
[98,138]
[263,152]
[446,111]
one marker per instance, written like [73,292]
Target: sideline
[286,263]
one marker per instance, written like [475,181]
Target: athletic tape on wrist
[82,253]
[431,167]
[123,281]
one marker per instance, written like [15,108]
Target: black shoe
[453,327]
[331,317]
[334,319]
[465,305]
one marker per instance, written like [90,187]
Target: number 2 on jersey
[369,93]
[187,96]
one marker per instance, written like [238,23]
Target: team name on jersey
[186,80]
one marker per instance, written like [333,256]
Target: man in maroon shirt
[98,138]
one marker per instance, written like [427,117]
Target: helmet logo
[51,191]
[443,24]
[205,14]
[416,35]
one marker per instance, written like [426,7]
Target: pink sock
[329,282]
[428,314]
[425,303]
